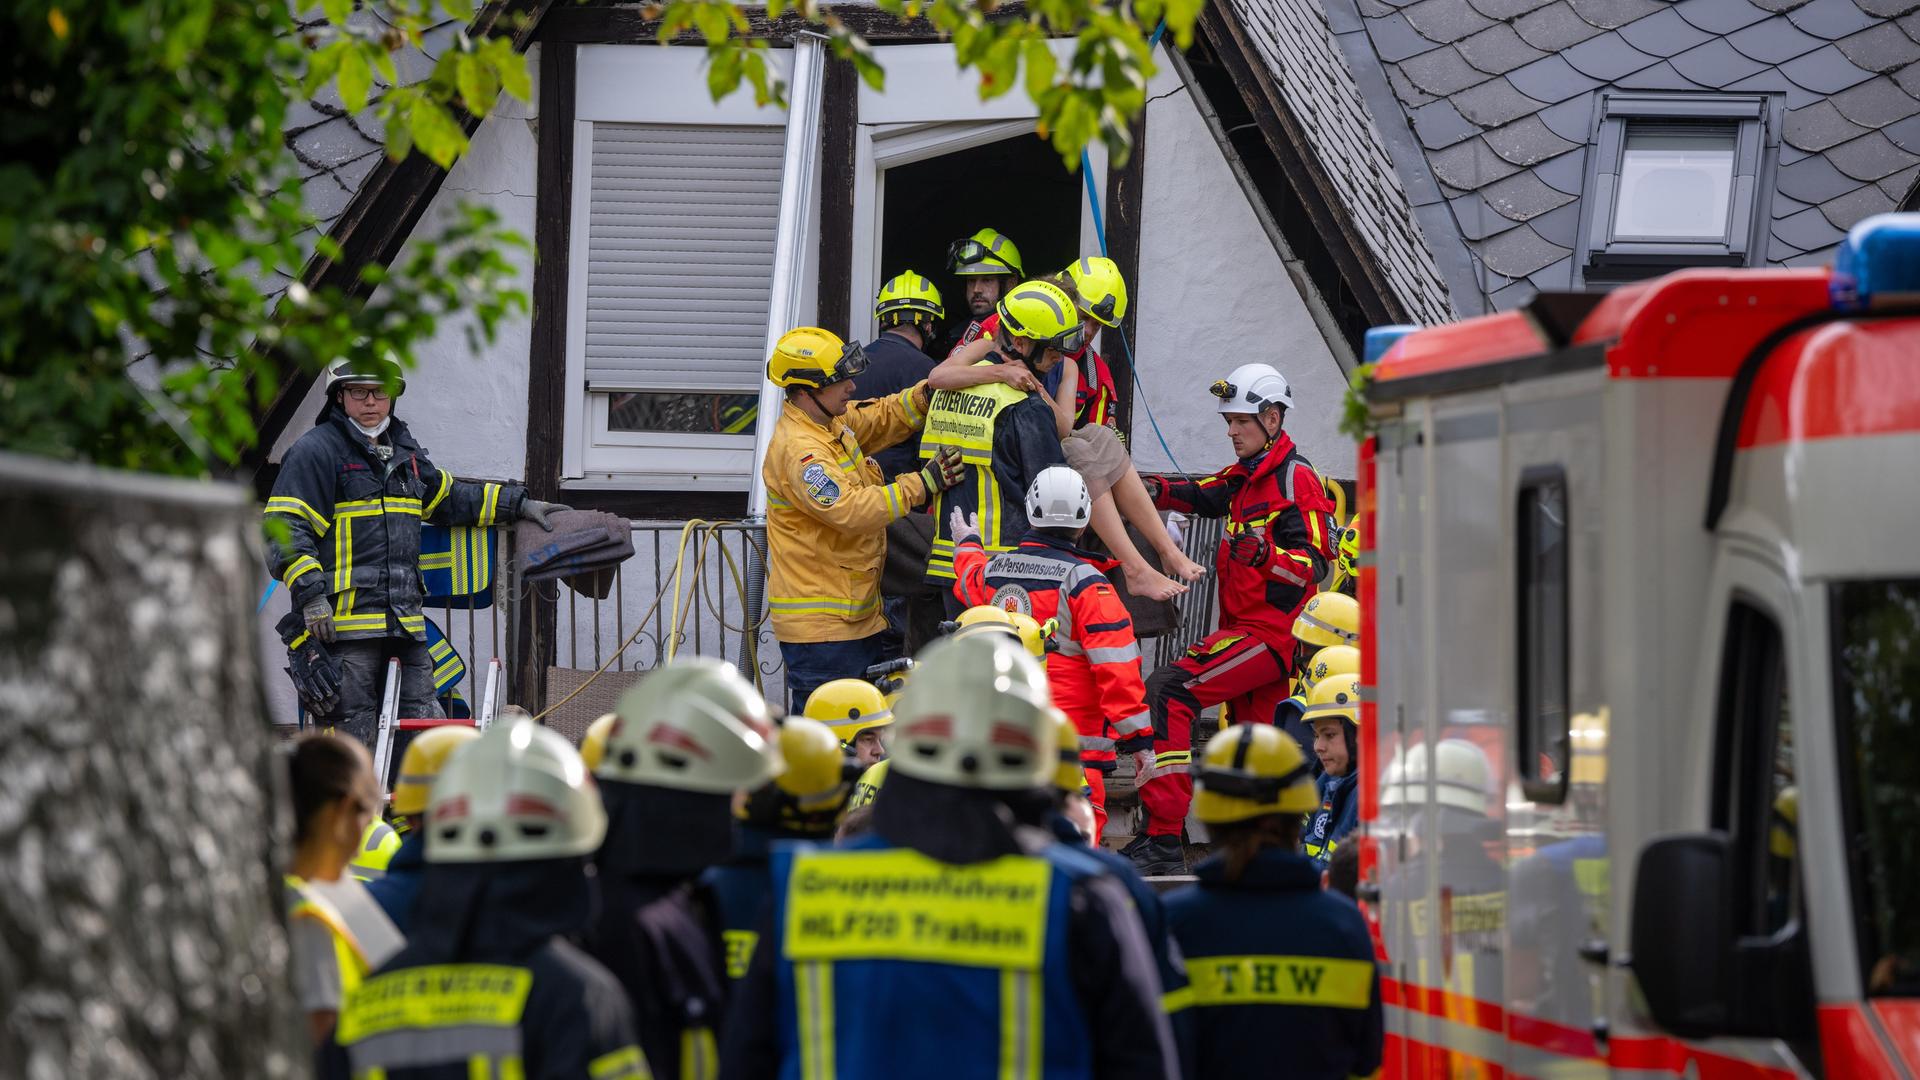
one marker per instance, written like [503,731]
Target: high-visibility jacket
[1338,814]
[1006,437]
[827,516]
[377,846]
[1094,672]
[1095,401]
[348,955]
[742,891]
[1276,965]
[891,963]
[353,524]
[1280,499]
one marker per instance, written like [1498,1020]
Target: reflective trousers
[1225,667]
[1097,781]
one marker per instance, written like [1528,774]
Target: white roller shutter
[680,242]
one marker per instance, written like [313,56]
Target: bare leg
[1130,495]
[1142,579]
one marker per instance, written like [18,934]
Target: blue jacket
[397,892]
[1339,812]
[1283,976]
[742,891]
[893,364]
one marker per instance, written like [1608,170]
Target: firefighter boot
[1160,856]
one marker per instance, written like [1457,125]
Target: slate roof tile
[1550,80]
[1879,102]
[1519,252]
[1495,102]
[1880,48]
[1814,259]
[1818,126]
[1773,41]
[1504,10]
[1477,220]
[1343,16]
[1557,276]
[1772,82]
[1498,50]
[1395,39]
[1870,157]
[1372,9]
[1789,153]
[1887,9]
[1470,165]
[1572,119]
[1911,24]
[1442,72]
[1901,184]
[1808,230]
[1445,20]
[1824,71]
[1716,64]
[1566,173]
[1831,19]
[1855,206]
[1560,226]
[1522,197]
[1527,142]
[1719,16]
[1663,33]
[1606,57]
[1404,89]
[1554,27]
[1905,133]
[1661,76]
[1784,206]
[1909,79]
[1440,124]
[1780,6]
[1512,296]
[1610,14]
[1779,251]
[1814,180]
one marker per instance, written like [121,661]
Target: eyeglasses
[366,393]
[964,253]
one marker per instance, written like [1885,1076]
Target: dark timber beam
[1125,198]
[839,131]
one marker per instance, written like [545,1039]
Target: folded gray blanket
[582,542]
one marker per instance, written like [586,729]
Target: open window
[1542,588]
[1756,798]
[1674,182]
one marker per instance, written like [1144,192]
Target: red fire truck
[1641,605]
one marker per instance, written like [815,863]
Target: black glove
[316,677]
[1249,549]
[943,470]
[536,511]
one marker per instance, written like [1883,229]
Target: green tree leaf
[356,77]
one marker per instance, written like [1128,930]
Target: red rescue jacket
[1095,674]
[1282,500]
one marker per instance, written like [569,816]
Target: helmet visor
[853,361]
[970,256]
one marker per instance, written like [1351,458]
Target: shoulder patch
[1012,598]
[822,487]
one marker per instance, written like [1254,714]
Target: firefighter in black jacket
[352,494]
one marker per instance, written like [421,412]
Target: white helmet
[975,716]
[1251,388]
[519,791]
[1461,776]
[366,372]
[693,725]
[1058,499]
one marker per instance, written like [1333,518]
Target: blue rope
[1100,230]
[271,585]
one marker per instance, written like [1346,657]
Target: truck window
[1541,555]
[1756,799]
[1876,690]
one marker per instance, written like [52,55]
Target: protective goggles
[1070,341]
[962,254]
[853,361]
[1237,784]
[1226,391]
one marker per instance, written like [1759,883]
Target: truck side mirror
[1699,977]
[1682,936]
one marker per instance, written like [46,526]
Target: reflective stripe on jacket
[1094,674]
[1281,500]
[304,903]
[1006,437]
[827,516]
[353,525]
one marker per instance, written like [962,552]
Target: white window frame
[643,84]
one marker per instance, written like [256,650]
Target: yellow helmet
[1103,292]
[1781,842]
[811,357]
[1071,774]
[1249,771]
[848,707]
[815,766]
[1330,661]
[908,297]
[1041,311]
[867,787]
[1330,618]
[593,747]
[425,756]
[984,254]
[1336,697]
[990,619]
[1349,548]
[377,846]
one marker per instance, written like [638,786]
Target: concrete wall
[1213,295]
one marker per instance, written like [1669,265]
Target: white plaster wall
[469,410]
[1213,295]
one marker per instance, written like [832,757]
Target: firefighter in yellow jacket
[828,507]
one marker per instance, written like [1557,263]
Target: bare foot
[1181,567]
[1146,582]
